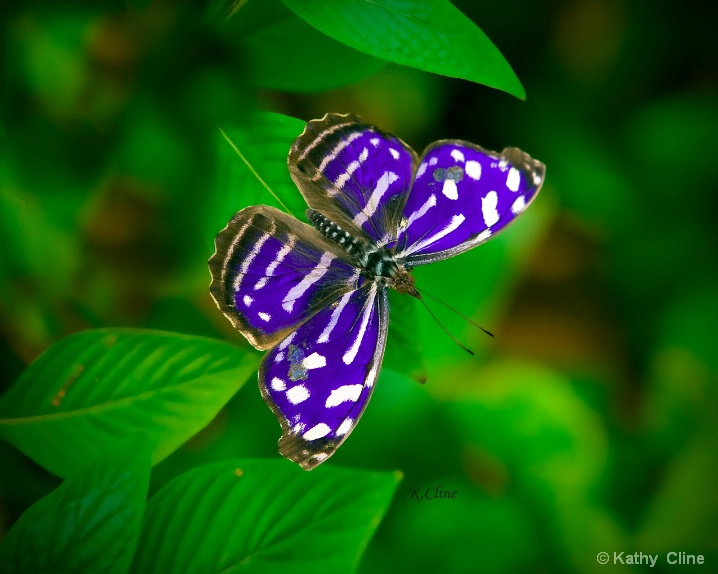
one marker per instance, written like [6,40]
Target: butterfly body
[377,264]
[316,296]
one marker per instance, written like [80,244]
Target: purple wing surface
[463,194]
[319,379]
[271,273]
[353,173]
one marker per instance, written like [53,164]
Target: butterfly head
[403,282]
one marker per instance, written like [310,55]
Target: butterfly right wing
[319,379]
[270,273]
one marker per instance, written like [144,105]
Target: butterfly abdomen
[374,261]
[352,245]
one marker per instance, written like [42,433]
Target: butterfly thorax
[376,263]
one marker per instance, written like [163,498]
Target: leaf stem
[254,172]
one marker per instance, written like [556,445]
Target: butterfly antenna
[489,333]
[445,329]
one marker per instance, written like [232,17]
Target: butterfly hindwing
[353,173]
[270,273]
[319,379]
[461,196]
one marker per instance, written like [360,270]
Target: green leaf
[263,516]
[687,496]
[252,168]
[288,54]
[90,523]
[431,35]
[92,390]
[404,353]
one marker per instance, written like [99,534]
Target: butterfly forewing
[354,174]
[461,196]
[319,379]
[270,273]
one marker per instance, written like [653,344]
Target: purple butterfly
[317,296]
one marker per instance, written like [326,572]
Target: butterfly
[316,295]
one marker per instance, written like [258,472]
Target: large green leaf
[90,523]
[265,517]
[94,389]
[431,35]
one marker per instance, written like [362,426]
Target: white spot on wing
[484,235]
[272,267]
[343,394]
[456,220]
[278,384]
[345,427]
[519,205]
[266,317]
[256,248]
[382,185]
[422,169]
[394,153]
[314,361]
[449,189]
[433,161]
[284,344]
[429,203]
[324,337]
[247,300]
[317,431]
[473,169]
[300,288]
[351,168]
[337,150]
[279,357]
[374,141]
[351,353]
[457,155]
[297,394]
[513,180]
[488,208]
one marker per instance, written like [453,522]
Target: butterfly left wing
[270,273]
[319,379]
[353,173]
[462,195]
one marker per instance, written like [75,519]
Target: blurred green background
[588,424]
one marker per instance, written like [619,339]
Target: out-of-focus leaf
[90,523]
[682,394]
[432,35]
[530,418]
[94,389]
[686,497]
[463,533]
[553,447]
[668,140]
[288,54]
[263,516]
[403,348]
[252,168]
